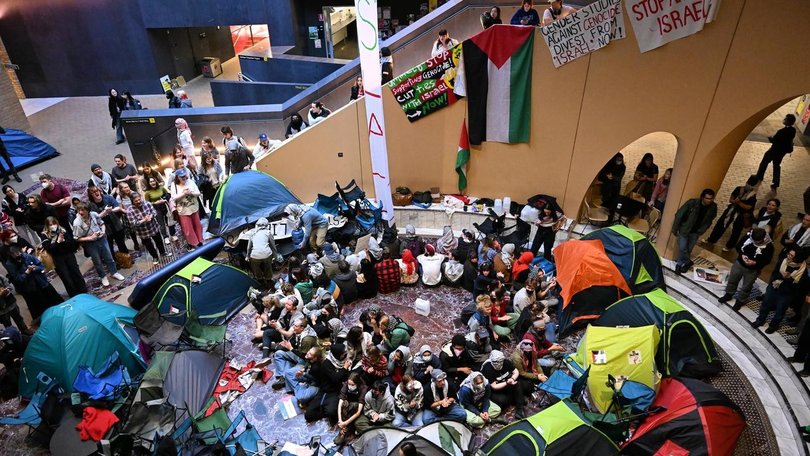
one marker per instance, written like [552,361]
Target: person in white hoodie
[431,263]
[262,251]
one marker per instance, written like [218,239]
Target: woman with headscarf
[312,222]
[503,323]
[448,243]
[431,263]
[184,139]
[375,250]
[503,379]
[330,259]
[367,284]
[474,395]
[412,242]
[611,177]
[391,242]
[452,272]
[524,359]
[503,262]
[116,104]
[408,268]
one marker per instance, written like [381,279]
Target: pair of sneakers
[116,276]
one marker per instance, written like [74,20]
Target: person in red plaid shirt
[142,217]
[387,273]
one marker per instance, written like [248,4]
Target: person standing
[116,104]
[209,179]
[798,235]
[159,197]
[124,172]
[101,179]
[143,220]
[659,194]
[443,43]
[261,251]
[15,206]
[9,310]
[782,289]
[36,213]
[645,177]
[132,103]
[739,213]
[557,11]
[28,276]
[5,156]
[386,64]
[55,195]
[754,252]
[185,196]
[491,17]
[526,15]
[238,158]
[110,211]
[691,221]
[186,142]
[781,145]
[90,231]
[62,246]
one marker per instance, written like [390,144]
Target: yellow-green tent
[624,353]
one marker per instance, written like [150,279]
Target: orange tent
[590,281]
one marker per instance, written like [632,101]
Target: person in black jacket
[754,251]
[335,371]
[238,158]
[783,288]
[61,245]
[116,104]
[491,17]
[346,279]
[456,360]
[781,145]
[4,154]
[387,62]
[132,103]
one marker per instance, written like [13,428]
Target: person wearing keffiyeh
[782,289]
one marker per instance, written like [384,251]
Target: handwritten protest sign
[589,29]
[657,22]
[428,87]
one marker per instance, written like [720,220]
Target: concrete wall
[709,90]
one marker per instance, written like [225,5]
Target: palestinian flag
[463,157]
[498,71]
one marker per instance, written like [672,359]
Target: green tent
[686,349]
[625,353]
[557,430]
[83,331]
[634,255]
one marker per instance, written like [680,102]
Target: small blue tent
[82,331]
[215,292]
[245,198]
[26,150]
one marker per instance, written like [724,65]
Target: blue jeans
[551,332]
[685,246]
[401,421]
[774,300]
[99,252]
[546,362]
[119,131]
[456,413]
[304,392]
[285,362]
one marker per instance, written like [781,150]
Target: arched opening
[716,247]
[630,196]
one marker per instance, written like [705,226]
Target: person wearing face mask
[739,214]
[57,196]
[62,247]
[440,399]
[524,358]
[424,364]
[408,401]
[503,379]
[474,395]
[611,177]
[526,15]
[542,346]
[456,361]
[754,252]
[335,370]
[27,274]
[11,238]
[557,11]
[400,364]
[350,407]
[378,408]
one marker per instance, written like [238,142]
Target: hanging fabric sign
[589,29]
[429,86]
[657,22]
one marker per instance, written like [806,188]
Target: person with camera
[443,43]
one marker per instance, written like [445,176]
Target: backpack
[423,197]
[396,322]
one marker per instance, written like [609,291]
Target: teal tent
[214,292]
[83,331]
[245,198]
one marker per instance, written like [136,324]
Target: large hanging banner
[657,22]
[368,37]
[589,29]
[428,87]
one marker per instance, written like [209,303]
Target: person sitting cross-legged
[378,409]
[440,399]
[474,395]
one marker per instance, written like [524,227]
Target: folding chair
[204,336]
[30,415]
[562,386]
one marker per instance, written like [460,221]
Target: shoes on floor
[18,178]
[264,362]
[757,323]
[105,281]
[725,298]
[725,249]
[190,248]
[155,262]
[804,373]
[706,241]
[771,329]
[118,276]
[174,238]
[278,384]
[5,180]
[792,331]
[792,340]
[737,305]
[120,142]
[794,359]
[167,254]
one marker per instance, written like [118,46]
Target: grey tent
[185,379]
[442,438]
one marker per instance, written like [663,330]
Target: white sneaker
[174,238]
[105,281]
[167,240]
[118,276]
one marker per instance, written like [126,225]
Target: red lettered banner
[657,22]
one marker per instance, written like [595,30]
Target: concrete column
[12,114]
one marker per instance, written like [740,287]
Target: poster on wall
[657,22]
[428,87]
[589,29]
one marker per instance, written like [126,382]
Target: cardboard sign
[657,22]
[587,30]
